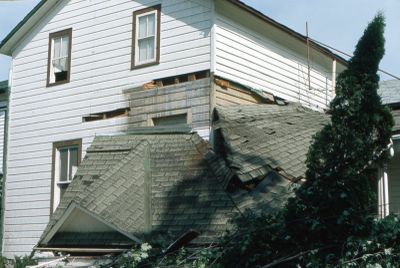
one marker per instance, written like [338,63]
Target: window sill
[57,83]
[144,65]
[63,182]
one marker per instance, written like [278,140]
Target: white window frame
[51,79]
[56,183]
[137,39]
[156,10]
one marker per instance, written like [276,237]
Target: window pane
[151,26]
[150,48]
[142,49]
[57,48]
[63,165]
[60,65]
[73,160]
[142,27]
[65,45]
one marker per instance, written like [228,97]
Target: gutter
[82,250]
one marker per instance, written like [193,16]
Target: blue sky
[339,23]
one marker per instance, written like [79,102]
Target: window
[146,37]
[66,158]
[172,120]
[59,58]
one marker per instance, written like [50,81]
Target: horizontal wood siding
[394,184]
[2,124]
[100,73]
[191,98]
[230,96]
[256,56]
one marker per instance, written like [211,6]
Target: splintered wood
[174,80]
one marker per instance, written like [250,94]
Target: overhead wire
[348,55]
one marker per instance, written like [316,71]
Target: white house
[79,66]
[389,176]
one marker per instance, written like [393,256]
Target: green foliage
[146,256]
[258,239]
[338,199]
[331,220]
[379,249]
[18,262]
[22,262]
[134,258]
[3,262]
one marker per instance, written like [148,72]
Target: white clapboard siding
[249,55]
[394,184]
[100,74]
[2,125]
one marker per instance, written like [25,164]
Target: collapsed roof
[137,186]
[257,139]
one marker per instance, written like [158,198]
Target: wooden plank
[238,95]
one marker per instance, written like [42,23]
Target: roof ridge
[134,152]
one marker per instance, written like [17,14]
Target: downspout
[5,156]
[383,193]
[383,185]
[334,76]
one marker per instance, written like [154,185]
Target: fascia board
[66,215]
[24,26]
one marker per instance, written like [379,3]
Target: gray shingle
[261,138]
[181,186]
[389,91]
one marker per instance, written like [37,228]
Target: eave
[25,25]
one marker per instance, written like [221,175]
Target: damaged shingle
[267,137]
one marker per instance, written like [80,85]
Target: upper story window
[66,158]
[146,37]
[59,59]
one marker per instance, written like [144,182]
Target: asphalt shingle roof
[142,184]
[260,138]
[389,91]
[390,94]
[158,184]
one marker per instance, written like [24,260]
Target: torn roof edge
[150,130]
[263,94]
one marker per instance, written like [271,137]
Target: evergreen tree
[338,199]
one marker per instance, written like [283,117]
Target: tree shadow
[193,197]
